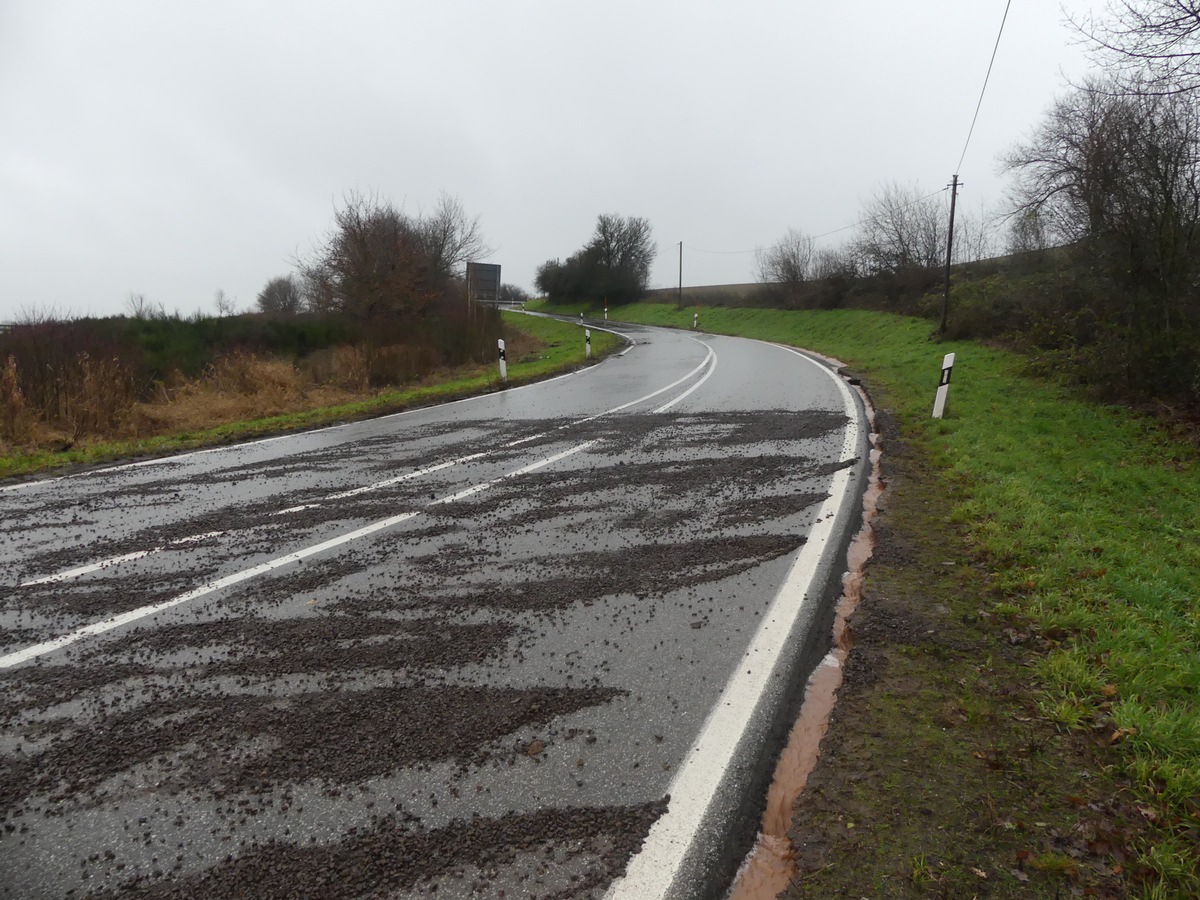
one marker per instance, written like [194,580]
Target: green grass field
[1086,519]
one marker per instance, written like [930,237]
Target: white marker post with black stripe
[695,321]
[503,363]
[587,339]
[943,391]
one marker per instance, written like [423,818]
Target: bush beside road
[207,411]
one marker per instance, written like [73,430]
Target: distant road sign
[483,282]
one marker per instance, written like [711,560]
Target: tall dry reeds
[70,379]
[15,417]
[94,395]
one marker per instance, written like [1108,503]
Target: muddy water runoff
[770,865]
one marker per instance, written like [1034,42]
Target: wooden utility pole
[949,255]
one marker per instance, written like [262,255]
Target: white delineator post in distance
[587,339]
[939,403]
[503,363]
[695,321]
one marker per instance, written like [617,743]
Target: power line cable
[986,78]
[720,252]
[815,237]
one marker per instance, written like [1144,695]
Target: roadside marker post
[605,309]
[943,391]
[503,363]
[587,339]
[695,321]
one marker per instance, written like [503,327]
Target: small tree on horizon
[281,296]
[788,262]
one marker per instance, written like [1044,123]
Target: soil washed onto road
[447,707]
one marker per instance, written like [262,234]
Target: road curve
[462,651]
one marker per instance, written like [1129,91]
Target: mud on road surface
[488,699]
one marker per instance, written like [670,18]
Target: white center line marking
[707,375]
[354,492]
[20,656]
[295,509]
[710,356]
[116,560]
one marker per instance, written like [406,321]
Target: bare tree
[1152,45]
[834,262]
[139,307]
[280,296]
[377,261]
[316,289]
[451,238]
[1118,177]
[1027,233]
[974,235]
[226,305]
[624,244]
[788,262]
[1122,175]
[614,265]
[373,262]
[902,228]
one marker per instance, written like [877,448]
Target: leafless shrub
[15,418]
[378,262]
[903,228]
[788,262]
[137,306]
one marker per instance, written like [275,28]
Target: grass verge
[1026,708]
[557,347]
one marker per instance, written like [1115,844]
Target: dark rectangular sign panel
[483,282]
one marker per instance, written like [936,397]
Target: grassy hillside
[1080,524]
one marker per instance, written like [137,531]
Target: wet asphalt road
[460,652]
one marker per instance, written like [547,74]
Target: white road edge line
[133,615]
[653,872]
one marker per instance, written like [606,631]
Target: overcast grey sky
[174,148]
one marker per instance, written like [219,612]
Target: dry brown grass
[16,421]
[93,397]
[237,387]
[518,345]
[365,366]
[80,397]
[99,396]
